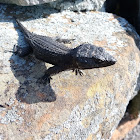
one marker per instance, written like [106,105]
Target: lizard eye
[99,61]
[100,49]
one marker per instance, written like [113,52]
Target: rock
[134,106]
[134,134]
[130,10]
[79,5]
[70,107]
[125,130]
[26,2]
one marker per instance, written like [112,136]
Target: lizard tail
[23,29]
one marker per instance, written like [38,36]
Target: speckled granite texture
[86,108]
[73,5]
[79,5]
[26,2]
[134,134]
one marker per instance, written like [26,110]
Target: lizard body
[85,56]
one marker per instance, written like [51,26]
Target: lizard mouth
[113,61]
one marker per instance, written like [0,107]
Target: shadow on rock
[131,33]
[25,12]
[27,71]
[129,10]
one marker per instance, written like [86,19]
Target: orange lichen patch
[90,137]
[100,43]
[28,118]
[124,129]
[86,121]
[64,115]
[29,138]
[137,57]
[42,120]
[49,17]
[113,44]
[3,87]
[113,17]
[5,78]
[68,19]
[93,89]
[8,107]
[120,98]
[73,89]
[94,11]
[3,113]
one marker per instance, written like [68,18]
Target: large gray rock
[76,5]
[88,107]
[26,2]
[134,134]
[79,5]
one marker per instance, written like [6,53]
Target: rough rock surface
[79,5]
[125,129]
[134,134]
[26,2]
[73,5]
[88,107]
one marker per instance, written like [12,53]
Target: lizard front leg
[50,72]
[77,71]
[22,52]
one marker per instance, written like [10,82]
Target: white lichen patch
[11,114]
[81,123]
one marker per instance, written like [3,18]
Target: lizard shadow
[27,71]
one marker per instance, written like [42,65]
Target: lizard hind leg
[44,79]
[50,72]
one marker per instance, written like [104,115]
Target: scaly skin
[85,56]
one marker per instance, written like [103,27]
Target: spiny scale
[48,44]
[38,42]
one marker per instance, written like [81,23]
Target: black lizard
[85,56]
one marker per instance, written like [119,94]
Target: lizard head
[101,57]
[89,56]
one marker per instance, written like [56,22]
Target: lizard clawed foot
[77,71]
[44,80]
[15,50]
[22,51]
